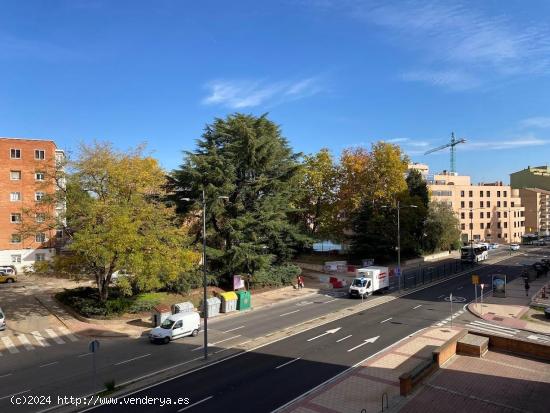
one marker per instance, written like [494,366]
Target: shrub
[276,276]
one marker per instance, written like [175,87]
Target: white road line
[85,354]
[227,339]
[344,338]
[330,301]
[243,343]
[49,364]
[510,329]
[129,360]
[194,404]
[200,348]
[9,345]
[387,319]
[222,350]
[419,305]
[537,338]
[67,333]
[292,312]
[54,336]
[15,394]
[25,341]
[6,375]
[287,363]
[39,339]
[489,330]
[233,329]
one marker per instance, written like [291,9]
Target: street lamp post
[399,206]
[204,277]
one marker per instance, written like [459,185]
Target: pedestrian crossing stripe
[484,327]
[30,341]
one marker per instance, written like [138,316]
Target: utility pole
[204,278]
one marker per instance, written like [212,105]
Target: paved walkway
[361,388]
[513,310]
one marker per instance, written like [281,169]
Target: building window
[481,225]
[498,194]
[470,215]
[461,204]
[15,218]
[15,175]
[39,176]
[488,204]
[40,237]
[462,194]
[15,196]
[498,225]
[498,214]
[15,238]
[38,196]
[470,194]
[505,203]
[506,224]
[462,215]
[506,214]
[481,204]
[512,204]
[15,153]
[481,215]
[488,194]
[505,235]
[471,204]
[39,256]
[462,226]
[488,225]
[40,217]
[16,259]
[39,154]
[499,236]
[505,193]
[488,215]
[498,204]
[481,194]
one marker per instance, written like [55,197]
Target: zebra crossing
[16,343]
[484,327]
[448,319]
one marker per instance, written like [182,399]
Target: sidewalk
[513,310]
[362,387]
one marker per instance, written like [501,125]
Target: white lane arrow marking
[533,337]
[368,340]
[334,330]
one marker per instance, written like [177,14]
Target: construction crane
[452,144]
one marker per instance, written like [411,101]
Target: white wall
[27,256]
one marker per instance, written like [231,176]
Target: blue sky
[332,73]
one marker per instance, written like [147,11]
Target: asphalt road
[264,379]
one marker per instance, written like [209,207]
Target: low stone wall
[517,346]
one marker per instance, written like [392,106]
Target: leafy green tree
[318,187]
[120,222]
[246,159]
[442,228]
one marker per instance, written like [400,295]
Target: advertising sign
[475,279]
[499,285]
[238,282]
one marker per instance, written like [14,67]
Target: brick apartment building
[487,212]
[26,183]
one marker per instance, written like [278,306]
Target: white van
[176,326]
[2,320]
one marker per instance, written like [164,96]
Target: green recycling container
[244,300]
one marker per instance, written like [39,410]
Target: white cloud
[515,143]
[397,140]
[536,122]
[247,94]
[458,45]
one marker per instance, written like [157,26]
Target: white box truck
[369,280]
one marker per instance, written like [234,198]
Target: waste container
[159,314]
[185,307]
[244,300]
[213,304]
[229,302]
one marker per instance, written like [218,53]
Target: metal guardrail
[415,277]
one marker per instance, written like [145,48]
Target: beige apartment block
[537,210]
[489,212]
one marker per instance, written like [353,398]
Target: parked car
[176,326]
[514,247]
[494,245]
[7,276]
[10,269]
[2,320]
